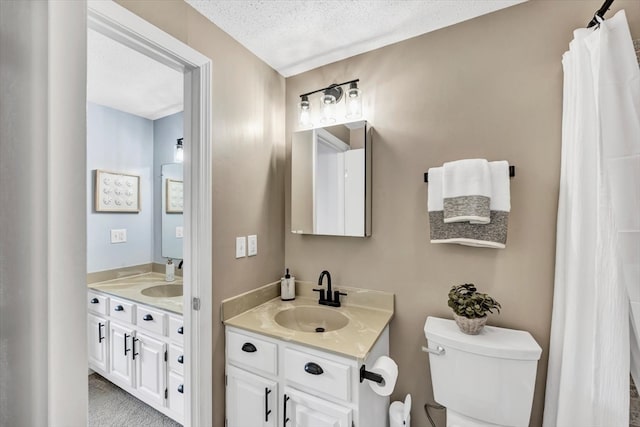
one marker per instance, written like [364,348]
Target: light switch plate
[252,245]
[241,247]
[179,232]
[119,235]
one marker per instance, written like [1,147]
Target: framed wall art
[175,199]
[117,192]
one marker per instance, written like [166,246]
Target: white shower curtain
[598,233]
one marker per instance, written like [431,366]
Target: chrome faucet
[332,300]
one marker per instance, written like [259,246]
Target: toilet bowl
[483,380]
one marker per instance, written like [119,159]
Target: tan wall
[248,166]
[490,87]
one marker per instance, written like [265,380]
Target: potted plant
[470,307]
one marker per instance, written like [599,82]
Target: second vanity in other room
[281,372]
[136,338]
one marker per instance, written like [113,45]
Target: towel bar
[512,173]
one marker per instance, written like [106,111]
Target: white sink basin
[163,291]
[311,319]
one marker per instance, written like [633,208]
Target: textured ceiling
[294,36]
[121,78]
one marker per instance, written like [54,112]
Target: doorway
[120,25]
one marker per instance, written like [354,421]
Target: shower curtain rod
[605,7]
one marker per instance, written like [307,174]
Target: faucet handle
[322,298]
[336,295]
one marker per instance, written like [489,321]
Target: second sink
[163,291]
[311,319]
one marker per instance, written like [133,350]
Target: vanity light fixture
[178,155]
[331,96]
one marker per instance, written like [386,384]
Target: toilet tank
[489,377]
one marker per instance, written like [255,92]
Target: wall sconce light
[331,96]
[178,155]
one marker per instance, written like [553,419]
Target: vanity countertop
[130,288]
[366,322]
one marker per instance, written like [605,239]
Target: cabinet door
[98,343]
[251,399]
[304,410]
[175,395]
[120,354]
[150,367]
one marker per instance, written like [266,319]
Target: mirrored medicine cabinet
[331,180]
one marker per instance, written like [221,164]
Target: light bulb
[354,101]
[328,108]
[304,114]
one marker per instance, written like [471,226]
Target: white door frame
[120,24]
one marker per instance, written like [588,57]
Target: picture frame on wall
[174,196]
[117,192]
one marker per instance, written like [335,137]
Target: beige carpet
[110,406]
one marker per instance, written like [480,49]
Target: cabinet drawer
[176,329]
[122,310]
[176,359]
[150,319]
[175,395]
[98,303]
[252,353]
[319,374]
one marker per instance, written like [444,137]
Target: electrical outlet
[119,235]
[252,245]
[241,247]
[179,232]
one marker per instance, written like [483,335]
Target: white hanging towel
[466,189]
[492,235]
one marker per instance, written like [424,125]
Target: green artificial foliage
[467,302]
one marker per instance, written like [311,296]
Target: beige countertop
[366,322]
[130,288]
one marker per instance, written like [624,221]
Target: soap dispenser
[287,287]
[169,275]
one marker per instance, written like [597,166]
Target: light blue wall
[119,142]
[122,142]
[166,131]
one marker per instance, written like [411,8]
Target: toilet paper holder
[371,376]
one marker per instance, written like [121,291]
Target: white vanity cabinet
[131,344]
[120,370]
[273,382]
[251,399]
[305,410]
[98,330]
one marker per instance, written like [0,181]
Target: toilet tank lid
[491,341]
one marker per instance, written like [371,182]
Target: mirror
[331,180]
[171,210]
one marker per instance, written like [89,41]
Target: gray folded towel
[492,235]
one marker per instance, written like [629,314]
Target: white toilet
[483,380]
